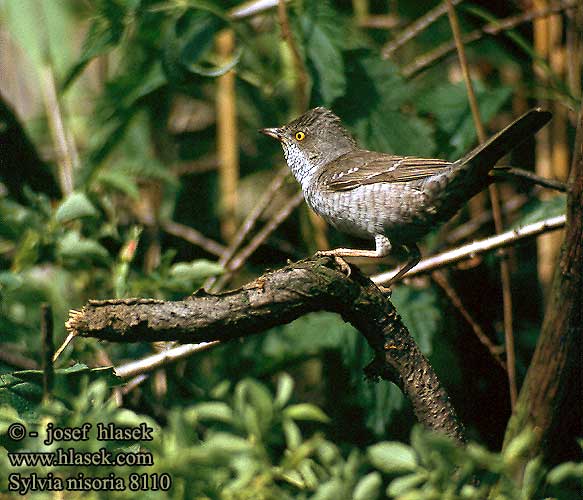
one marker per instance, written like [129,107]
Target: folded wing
[361,167]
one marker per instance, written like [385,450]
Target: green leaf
[322,40]
[214,410]
[119,180]
[533,475]
[195,271]
[537,210]
[293,435]
[402,484]
[330,490]
[226,444]
[449,104]
[519,446]
[420,312]
[105,32]
[285,387]
[392,457]
[305,411]
[78,249]
[75,206]
[368,487]
[565,471]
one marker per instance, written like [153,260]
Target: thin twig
[193,236]
[48,349]
[494,28]
[149,363]
[252,8]
[440,278]
[496,211]
[537,179]
[250,221]
[415,28]
[379,22]
[241,257]
[16,360]
[301,83]
[470,250]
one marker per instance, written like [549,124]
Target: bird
[391,199]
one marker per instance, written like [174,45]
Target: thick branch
[277,298]
[555,369]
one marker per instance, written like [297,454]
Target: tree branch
[276,298]
[470,250]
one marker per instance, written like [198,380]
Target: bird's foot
[345,268]
[385,290]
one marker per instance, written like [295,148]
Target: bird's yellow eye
[300,136]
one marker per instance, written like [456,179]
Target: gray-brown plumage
[394,199]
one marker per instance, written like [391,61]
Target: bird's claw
[344,267]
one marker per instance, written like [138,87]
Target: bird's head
[312,140]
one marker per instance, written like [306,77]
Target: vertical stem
[48,349]
[227,137]
[301,80]
[496,212]
[57,128]
[302,100]
[361,10]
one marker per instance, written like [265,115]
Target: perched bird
[395,200]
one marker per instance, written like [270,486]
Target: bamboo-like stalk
[547,40]
[227,139]
[496,210]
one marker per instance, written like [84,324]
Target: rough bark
[555,372]
[280,297]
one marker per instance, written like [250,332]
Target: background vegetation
[130,157]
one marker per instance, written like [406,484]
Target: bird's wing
[361,167]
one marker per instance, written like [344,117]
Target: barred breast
[399,211]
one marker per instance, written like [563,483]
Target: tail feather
[484,157]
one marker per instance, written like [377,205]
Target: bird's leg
[412,261]
[383,248]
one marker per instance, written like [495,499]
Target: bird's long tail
[470,173]
[484,157]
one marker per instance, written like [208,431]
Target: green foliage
[248,443]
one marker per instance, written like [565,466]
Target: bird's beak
[276,133]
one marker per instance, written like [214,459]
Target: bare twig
[241,257]
[16,360]
[494,28]
[250,221]
[496,211]
[440,278]
[415,28]
[147,364]
[301,83]
[470,250]
[536,179]
[48,349]
[383,22]
[193,236]
[252,8]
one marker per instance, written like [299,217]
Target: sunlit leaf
[392,457]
